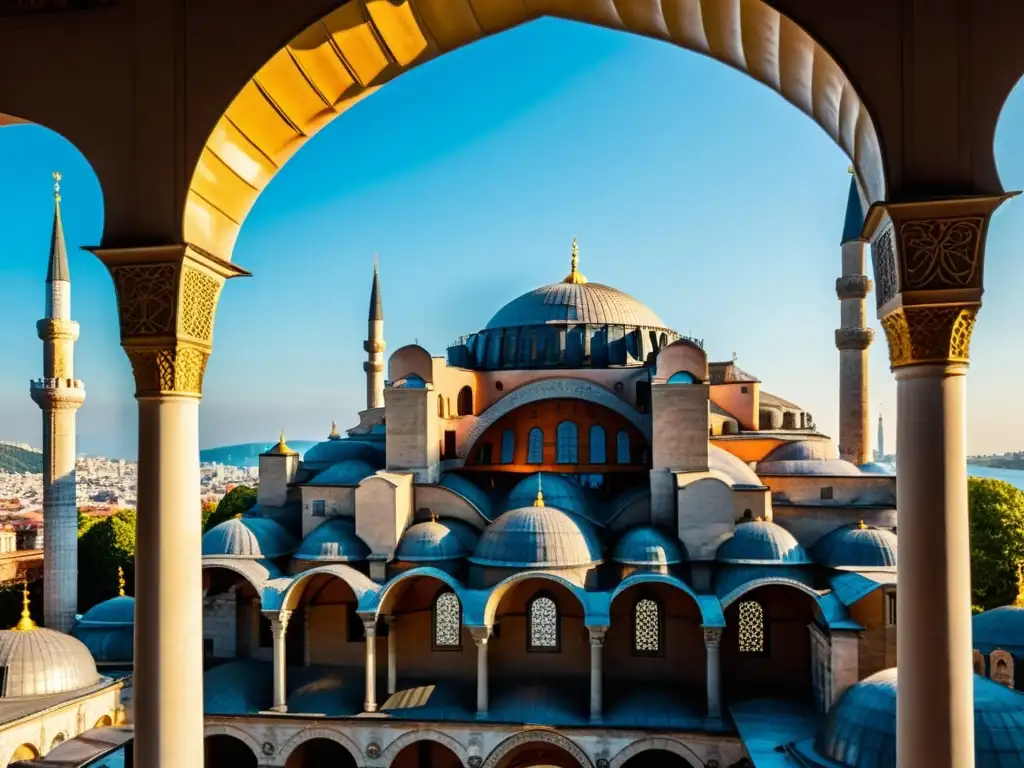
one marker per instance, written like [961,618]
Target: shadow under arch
[393,590]
[710,613]
[655,743]
[540,736]
[362,45]
[255,572]
[230,731]
[364,589]
[502,588]
[424,734]
[319,732]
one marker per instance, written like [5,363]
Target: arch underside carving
[537,735]
[423,734]
[364,44]
[318,732]
[653,743]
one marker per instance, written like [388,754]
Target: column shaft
[392,655]
[370,627]
[936,702]
[596,673]
[278,627]
[712,644]
[60,520]
[168,689]
[482,703]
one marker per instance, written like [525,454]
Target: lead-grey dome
[251,538]
[857,546]
[589,303]
[648,546]
[761,542]
[40,662]
[333,541]
[429,542]
[537,537]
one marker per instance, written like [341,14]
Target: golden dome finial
[861,525]
[25,623]
[334,432]
[539,501]
[56,185]
[433,516]
[120,581]
[575,276]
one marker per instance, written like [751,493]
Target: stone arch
[222,729]
[362,587]
[105,721]
[750,586]
[254,572]
[393,589]
[533,735]
[709,618]
[499,590]
[425,734]
[26,751]
[359,46]
[319,732]
[659,743]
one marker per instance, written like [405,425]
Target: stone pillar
[596,674]
[712,646]
[370,628]
[278,627]
[845,662]
[167,297]
[392,655]
[481,636]
[928,261]
[852,340]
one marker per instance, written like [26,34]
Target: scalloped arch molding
[363,44]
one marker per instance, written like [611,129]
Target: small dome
[349,472]
[805,450]
[860,729]
[829,467]
[720,460]
[761,542]
[1000,629]
[648,546]
[589,303]
[252,538]
[857,546]
[537,537]
[876,468]
[324,454]
[40,662]
[469,491]
[559,491]
[333,541]
[117,611]
[430,542]
[107,630]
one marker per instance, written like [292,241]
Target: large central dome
[590,303]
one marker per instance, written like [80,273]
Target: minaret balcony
[854,338]
[57,384]
[57,394]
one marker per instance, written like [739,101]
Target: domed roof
[251,538]
[860,729]
[857,546]
[469,491]
[720,460]
[1000,628]
[560,492]
[806,457]
[108,630]
[648,546]
[333,541]
[590,303]
[41,662]
[430,542]
[329,452]
[349,472]
[761,542]
[537,537]
[117,611]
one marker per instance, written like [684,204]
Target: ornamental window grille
[647,627]
[535,448]
[622,447]
[508,446]
[447,621]
[544,634]
[567,443]
[598,448]
[751,634]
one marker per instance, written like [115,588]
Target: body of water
[1012,476]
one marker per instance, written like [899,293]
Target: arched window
[751,634]
[508,446]
[447,621]
[598,449]
[647,627]
[622,447]
[568,448]
[440,406]
[544,630]
[535,447]
[682,377]
[414,381]
[465,401]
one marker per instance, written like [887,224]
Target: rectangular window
[483,454]
[743,389]
[890,609]
[826,492]
[319,507]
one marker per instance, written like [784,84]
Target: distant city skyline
[689,186]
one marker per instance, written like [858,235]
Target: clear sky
[689,186]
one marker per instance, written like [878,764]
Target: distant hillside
[18,458]
[248,454]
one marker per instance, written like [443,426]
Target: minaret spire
[59,394]
[374,344]
[575,276]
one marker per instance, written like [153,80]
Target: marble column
[712,647]
[370,628]
[392,655]
[596,673]
[481,637]
[278,627]
[167,298]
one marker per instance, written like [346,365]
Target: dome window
[535,449]
[598,448]
[567,446]
[508,446]
[682,377]
[622,447]
[545,631]
[447,615]
[751,630]
[647,627]
[465,401]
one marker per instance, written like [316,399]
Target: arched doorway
[233,622]
[426,754]
[537,754]
[24,752]
[223,751]
[104,722]
[657,758]
[320,752]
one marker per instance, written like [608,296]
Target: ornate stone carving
[884,259]
[978,660]
[940,253]
[199,294]
[1000,668]
[476,761]
[177,370]
[532,736]
[926,334]
[597,636]
[267,748]
[373,750]
[853,286]
[854,338]
[712,635]
[147,298]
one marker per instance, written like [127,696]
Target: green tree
[997,541]
[103,546]
[206,510]
[237,501]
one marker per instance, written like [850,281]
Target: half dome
[430,542]
[737,470]
[333,541]
[39,662]
[575,303]
[108,630]
[648,546]
[1000,629]
[761,542]
[857,546]
[251,538]
[559,491]
[537,537]
[117,611]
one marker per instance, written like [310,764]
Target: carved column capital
[166,299]
[279,623]
[597,636]
[712,635]
[480,635]
[369,626]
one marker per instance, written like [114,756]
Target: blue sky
[689,186]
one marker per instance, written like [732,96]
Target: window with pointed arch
[535,446]
[598,447]
[508,446]
[567,443]
[648,627]
[751,636]
[440,406]
[544,631]
[447,621]
[622,453]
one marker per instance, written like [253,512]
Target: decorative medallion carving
[1000,668]
[373,750]
[929,334]
[199,294]
[147,296]
[476,761]
[533,736]
[712,636]
[177,370]
[884,260]
[940,253]
[267,748]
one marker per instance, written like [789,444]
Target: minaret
[880,453]
[374,346]
[853,337]
[60,395]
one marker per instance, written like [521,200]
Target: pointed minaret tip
[376,304]
[853,223]
[58,266]
[334,432]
